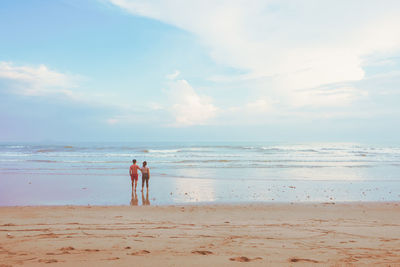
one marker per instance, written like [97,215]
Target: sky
[175,70]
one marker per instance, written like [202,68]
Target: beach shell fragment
[244,259]
[202,252]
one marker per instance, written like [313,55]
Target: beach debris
[291,186]
[92,250]
[202,252]
[127,247]
[300,259]
[139,253]
[244,259]
[10,235]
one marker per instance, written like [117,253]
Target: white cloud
[42,81]
[259,106]
[187,107]
[154,106]
[183,106]
[286,46]
[174,75]
[37,81]
[336,97]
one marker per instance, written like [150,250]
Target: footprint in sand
[49,235]
[139,253]
[299,260]
[48,260]
[202,252]
[244,259]
[92,250]
[64,250]
[113,259]
[67,249]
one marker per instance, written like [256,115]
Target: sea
[184,173]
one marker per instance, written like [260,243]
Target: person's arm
[148,172]
[130,171]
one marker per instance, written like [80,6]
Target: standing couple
[133,171]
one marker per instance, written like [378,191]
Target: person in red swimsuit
[133,171]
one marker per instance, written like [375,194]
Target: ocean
[198,173]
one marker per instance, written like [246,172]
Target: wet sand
[349,234]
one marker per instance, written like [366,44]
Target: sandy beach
[209,235]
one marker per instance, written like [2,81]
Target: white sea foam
[164,150]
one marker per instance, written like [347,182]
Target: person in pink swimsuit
[133,172]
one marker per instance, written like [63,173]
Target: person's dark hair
[134,161]
[144,163]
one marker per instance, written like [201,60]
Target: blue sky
[131,70]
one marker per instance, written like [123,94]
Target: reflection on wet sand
[194,190]
[134,199]
[145,201]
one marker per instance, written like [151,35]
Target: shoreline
[216,204]
[39,190]
[272,234]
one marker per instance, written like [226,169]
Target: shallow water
[97,173]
